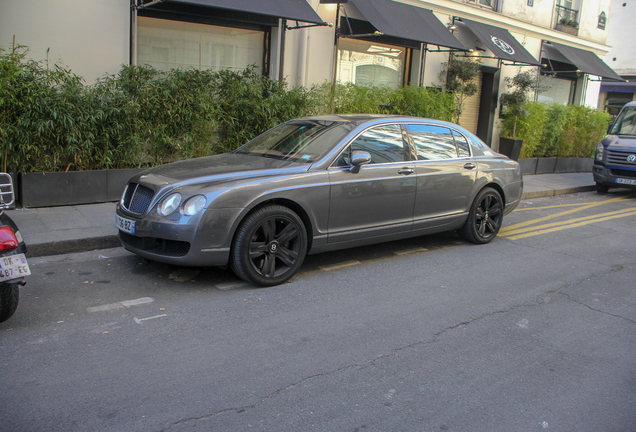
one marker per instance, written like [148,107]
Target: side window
[384,143]
[462,144]
[432,142]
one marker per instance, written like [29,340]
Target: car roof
[361,119]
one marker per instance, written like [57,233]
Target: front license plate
[125,225]
[626,181]
[13,267]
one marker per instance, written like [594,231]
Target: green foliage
[551,130]
[459,76]
[513,103]
[409,100]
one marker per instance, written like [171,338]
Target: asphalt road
[533,332]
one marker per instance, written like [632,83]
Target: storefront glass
[166,44]
[367,63]
[556,90]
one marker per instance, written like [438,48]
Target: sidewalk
[68,229]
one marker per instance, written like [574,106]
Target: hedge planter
[555,165]
[529,165]
[510,147]
[73,187]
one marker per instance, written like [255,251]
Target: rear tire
[485,217]
[601,189]
[9,297]
[269,247]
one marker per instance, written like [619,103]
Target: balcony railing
[488,4]
[566,17]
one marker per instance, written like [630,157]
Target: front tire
[9,297]
[601,189]
[269,247]
[485,217]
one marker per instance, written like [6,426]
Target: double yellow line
[530,228]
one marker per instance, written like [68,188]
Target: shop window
[367,63]
[166,44]
[556,90]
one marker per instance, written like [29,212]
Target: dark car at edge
[615,158]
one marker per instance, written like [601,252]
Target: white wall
[89,36]
[622,56]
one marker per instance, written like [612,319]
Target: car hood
[214,169]
[621,143]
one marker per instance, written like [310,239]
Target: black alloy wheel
[270,246]
[485,217]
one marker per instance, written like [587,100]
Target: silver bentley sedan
[317,184]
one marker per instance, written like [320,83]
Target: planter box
[72,188]
[567,29]
[529,165]
[546,165]
[583,164]
[510,147]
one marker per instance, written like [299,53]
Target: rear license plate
[626,181]
[13,267]
[125,225]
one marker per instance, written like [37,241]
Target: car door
[445,173]
[379,199]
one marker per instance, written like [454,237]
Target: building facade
[621,58]
[306,42]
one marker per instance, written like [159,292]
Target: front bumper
[623,178]
[198,241]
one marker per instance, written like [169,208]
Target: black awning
[585,61]
[500,42]
[296,10]
[407,22]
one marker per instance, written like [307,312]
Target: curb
[555,192]
[72,246]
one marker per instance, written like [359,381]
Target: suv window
[384,143]
[432,142]
[625,124]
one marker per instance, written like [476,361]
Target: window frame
[452,129]
[347,147]
[220,21]
[410,148]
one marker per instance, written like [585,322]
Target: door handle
[470,166]
[405,171]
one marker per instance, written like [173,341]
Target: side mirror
[358,159]
[609,128]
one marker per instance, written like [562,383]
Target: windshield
[297,140]
[625,124]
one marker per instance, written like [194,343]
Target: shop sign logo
[502,45]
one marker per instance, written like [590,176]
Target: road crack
[433,339]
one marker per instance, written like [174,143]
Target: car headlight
[194,205]
[169,204]
[599,152]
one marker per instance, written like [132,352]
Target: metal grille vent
[623,173]
[137,198]
[619,158]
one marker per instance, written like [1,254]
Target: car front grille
[154,245]
[623,173]
[619,158]
[137,198]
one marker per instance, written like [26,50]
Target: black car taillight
[8,240]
